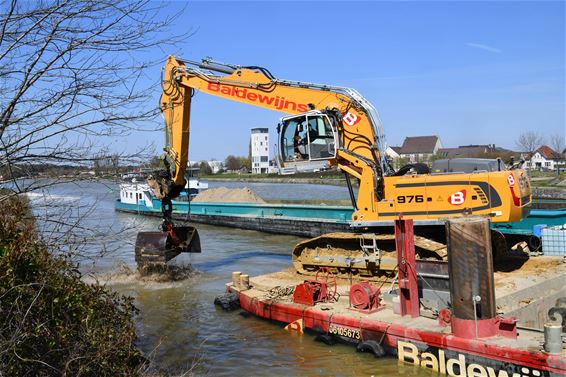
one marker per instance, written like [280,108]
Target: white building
[260,150]
[215,165]
[544,158]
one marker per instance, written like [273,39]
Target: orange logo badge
[457,198]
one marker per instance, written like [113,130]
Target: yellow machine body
[503,196]
[338,126]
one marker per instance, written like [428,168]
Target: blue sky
[470,72]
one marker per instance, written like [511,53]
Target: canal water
[178,324]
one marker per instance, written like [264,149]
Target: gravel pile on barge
[226,195]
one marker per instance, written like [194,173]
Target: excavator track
[359,255]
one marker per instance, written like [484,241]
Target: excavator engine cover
[155,249]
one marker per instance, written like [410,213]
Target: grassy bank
[548,180]
[538,179]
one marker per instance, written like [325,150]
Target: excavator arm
[360,148]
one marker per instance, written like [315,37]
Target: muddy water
[178,323]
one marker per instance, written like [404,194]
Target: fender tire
[326,339]
[228,301]
[498,245]
[534,243]
[371,346]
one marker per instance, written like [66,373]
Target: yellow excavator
[331,124]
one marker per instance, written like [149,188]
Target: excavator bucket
[155,249]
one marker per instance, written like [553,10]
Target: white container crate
[554,240]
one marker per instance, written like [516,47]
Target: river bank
[334,179]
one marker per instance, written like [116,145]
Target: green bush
[51,322]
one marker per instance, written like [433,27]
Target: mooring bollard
[553,338]
[236,279]
[245,282]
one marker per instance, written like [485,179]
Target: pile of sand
[226,195]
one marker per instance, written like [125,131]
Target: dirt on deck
[226,195]
[518,272]
[532,266]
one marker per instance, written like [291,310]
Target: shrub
[51,322]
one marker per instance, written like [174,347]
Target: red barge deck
[446,344]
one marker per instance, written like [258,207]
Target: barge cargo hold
[394,320]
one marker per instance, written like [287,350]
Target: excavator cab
[306,140]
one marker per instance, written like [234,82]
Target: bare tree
[72,75]
[73,78]
[530,141]
[557,142]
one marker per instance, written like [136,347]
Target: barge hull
[415,340]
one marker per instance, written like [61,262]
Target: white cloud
[484,47]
